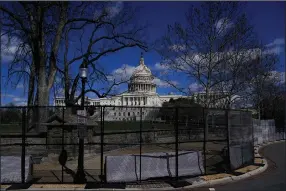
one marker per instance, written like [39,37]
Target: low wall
[11,169]
[129,168]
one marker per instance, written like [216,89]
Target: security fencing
[266,131]
[122,144]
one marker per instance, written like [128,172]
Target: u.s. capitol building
[141,93]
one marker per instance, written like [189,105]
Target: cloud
[195,87]
[177,47]
[115,9]
[8,95]
[275,47]
[276,42]
[164,84]
[112,9]
[18,99]
[160,66]
[10,46]
[121,74]
[20,86]
[22,103]
[223,25]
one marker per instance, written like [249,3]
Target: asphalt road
[274,178]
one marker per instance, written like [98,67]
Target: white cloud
[121,74]
[22,103]
[161,66]
[115,9]
[223,25]
[112,9]
[20,86]
[164,84]
[276,42]
[177,47]
[275,47]
[195,87]
[9,46]
[8,95]
[18,99]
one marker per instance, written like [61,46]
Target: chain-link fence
[241,148]
[126,144]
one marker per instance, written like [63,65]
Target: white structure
[216,99]
[141,92]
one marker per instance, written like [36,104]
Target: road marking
[211,189]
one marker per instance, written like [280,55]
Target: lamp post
[80,175]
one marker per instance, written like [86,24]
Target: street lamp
[80,175]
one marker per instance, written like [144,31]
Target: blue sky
[268,19]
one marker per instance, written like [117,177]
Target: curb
[195,184]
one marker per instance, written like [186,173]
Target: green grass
[10,128]
[133,126]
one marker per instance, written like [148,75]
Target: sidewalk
[260,165]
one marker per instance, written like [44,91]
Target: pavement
[272,178]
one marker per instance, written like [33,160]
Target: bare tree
[263,80]
[109,34]
[42,28]
[216,34]
[200,51]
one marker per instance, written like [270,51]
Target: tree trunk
[31,92]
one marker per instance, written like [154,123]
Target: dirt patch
[4,186]
[57,186]
[247,169]
[258,161]
[215,176]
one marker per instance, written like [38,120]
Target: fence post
[101,142]
[177,140]
[63,137]
[228,138]
[241,144]
[140,142]
[204,146]
[253,144]
[23,145]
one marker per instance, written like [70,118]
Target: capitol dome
[142,79]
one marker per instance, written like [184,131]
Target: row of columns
[142,87]
[135,101]
[60,102]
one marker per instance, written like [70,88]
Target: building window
[119,114]
[128,113]
[114,114]
[123,113]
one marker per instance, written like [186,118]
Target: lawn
[11,128]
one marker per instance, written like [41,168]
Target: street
[274,178]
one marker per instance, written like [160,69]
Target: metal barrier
[223,140]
